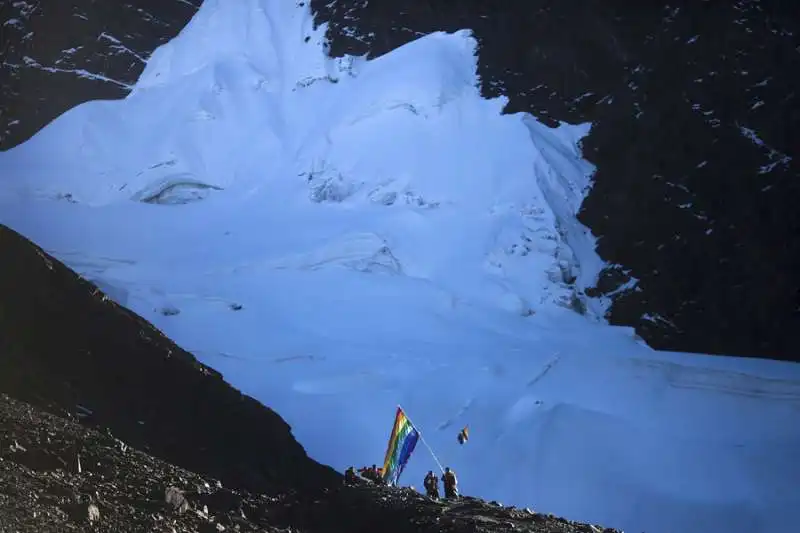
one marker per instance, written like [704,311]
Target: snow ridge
[340,236]
[393,146]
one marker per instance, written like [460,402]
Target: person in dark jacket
[431,485]
[366,473]
[450,484]
[350,477]
[377,474]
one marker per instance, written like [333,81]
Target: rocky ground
[58,475]
[106,425]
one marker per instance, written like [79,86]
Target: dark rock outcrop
[56,54]
[66,347]
[695,137]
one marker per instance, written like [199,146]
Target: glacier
[341,236]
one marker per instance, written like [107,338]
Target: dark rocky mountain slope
[115,415]
[695,137]
[67,348]
[56,54]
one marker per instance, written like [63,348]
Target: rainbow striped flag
[402,442]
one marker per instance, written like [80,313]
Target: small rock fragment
[94,513]
[176,499]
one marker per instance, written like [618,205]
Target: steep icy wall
[258,106]
[694,135]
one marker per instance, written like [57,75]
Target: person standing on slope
[450,484]
[350,477]
[366,473]
[375,475]
[431,485]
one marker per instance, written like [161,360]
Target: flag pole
[422,438]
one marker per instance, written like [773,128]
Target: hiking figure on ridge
[350,477]
[372,473]
[367,473]
[377,474]
[450,484]
[431,485]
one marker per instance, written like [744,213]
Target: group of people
[368,473]
[431,484]
[431,481]
[373,473]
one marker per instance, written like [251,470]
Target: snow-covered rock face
[693,109]
[379,144]
[680,219]
[340,236]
